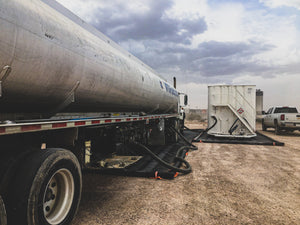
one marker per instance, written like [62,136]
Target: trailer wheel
[47,189]
[3,220]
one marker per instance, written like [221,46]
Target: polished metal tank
[52,61]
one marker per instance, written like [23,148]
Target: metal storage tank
[232,111]
[259,101]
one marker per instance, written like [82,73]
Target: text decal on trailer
[171,90]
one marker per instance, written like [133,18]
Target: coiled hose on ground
[166,164]
[179,155]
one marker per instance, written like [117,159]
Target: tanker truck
[70,98]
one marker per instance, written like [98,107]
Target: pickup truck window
[269,111]
[285,110]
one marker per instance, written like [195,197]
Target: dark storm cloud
[209,59]
[167,43]
[152,25]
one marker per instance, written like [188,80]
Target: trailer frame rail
[16,128]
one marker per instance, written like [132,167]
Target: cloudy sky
[206,42]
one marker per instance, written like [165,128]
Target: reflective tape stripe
[80,123]
[31,127]
[95,121]
[59,125]
[39,126]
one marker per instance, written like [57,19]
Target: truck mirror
[185,99]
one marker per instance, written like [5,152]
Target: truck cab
[182,105]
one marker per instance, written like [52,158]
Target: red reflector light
[58,125]
[79,123]
[95,121]
[282,117]
[31,127]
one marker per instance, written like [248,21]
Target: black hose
[212,126]
[192,147]
[207,129]
[231,129]
[179,155]
[166,164]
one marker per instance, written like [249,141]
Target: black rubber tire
[277,129]
[25,199]
[264,127]
[3,220]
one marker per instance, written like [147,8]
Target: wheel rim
[58,196]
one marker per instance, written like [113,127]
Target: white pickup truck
[281,118]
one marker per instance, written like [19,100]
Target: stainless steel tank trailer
[70,97]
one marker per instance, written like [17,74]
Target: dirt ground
[230,184]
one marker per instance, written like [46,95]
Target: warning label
[240,110]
